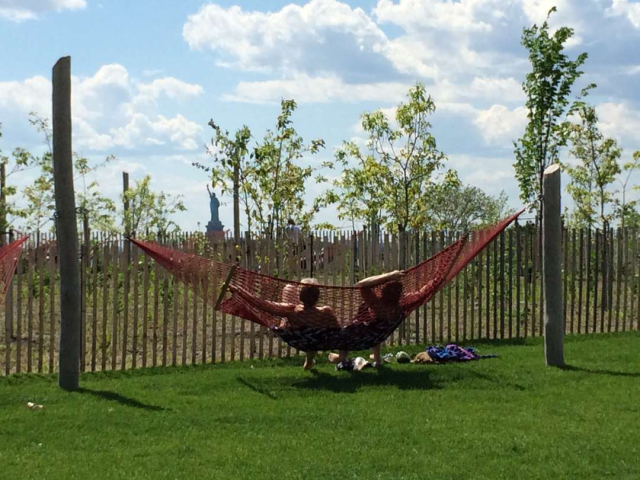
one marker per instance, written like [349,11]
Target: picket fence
[135,315]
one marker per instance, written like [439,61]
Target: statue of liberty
[214,224]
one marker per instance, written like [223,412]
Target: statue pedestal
[215,230]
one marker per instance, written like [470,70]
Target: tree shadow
[121,399]
[257,389]
[596,371]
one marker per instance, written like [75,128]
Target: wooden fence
[134,314]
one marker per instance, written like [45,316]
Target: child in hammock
[297,312]
[392,303]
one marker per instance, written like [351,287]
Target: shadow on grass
[612,373]
[351,382]
[257,389]
[121,399]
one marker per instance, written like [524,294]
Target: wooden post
[552,265]
[67,228]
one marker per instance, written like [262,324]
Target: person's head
[392,292]
[291,222]
[309,292]
[290,293]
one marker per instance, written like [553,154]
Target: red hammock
[323,317]
[9,256]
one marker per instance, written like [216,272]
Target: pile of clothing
[448,354]
[433,354]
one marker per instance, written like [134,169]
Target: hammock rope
[322,317]
[9,256]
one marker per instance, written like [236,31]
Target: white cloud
[19,10]
[318,35]
[625,8]
[617,120]
[322,89]
[110,109]
[499,125]
[438,14]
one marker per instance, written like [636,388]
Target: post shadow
[121,399]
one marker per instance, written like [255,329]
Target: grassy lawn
[509,417]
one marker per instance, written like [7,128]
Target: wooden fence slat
[165,317]
[126,271]
[488,293]
[572,269]
[156,314]
[519,270]
[620,239]
[510,285]
[145,309]
[115,316]
[40,270]
[501,281]
[30,309]
[634,281]
[105,303]
[52,305]
[565,276]
[597,283]
[588,279]
[580,280]
[625,271]
[19,319]
[135,275]
[480,277]
[534,281]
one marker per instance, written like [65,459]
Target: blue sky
[150,74]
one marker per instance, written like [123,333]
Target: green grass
[509,418]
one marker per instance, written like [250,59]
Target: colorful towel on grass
[454,353]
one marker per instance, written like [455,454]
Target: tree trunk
[402,244]
[67,228]
[552,268]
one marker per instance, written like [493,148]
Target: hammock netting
[9,256]
[313,317]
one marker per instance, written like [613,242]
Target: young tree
[595,172]
[20,160]
[626,210]
[463,207]
[150,212]
[271,180]
[392,182]
[548,88]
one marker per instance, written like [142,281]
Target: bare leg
[338,357]
[375,355]
[309,361]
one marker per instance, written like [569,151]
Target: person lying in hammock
[300,313]
[391,304]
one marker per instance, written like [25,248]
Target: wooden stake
[552,270]
[67,228]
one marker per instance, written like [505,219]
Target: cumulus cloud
[499,125]
[627,9]
[19,10]
[321,89]
[110,109]
[619,121]
[321,35]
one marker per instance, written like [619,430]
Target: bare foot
[309,365]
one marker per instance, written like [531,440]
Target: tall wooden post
[552,268]
[67,228]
